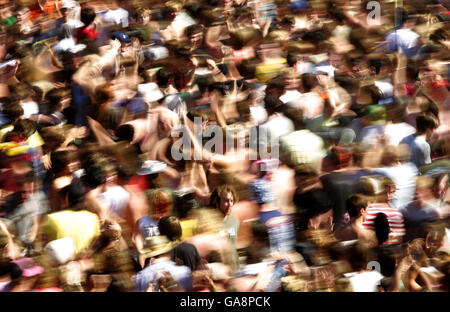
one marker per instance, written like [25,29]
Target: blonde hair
[424,182]
[156,194]
[208,221]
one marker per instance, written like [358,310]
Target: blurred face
[423,195]
[164,128]
[440,189]
[196,39]
[226,203]
[390,191]
[162,206]
[23,15]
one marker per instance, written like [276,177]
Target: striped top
[395,219]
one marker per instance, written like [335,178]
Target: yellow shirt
[188,228]
[82,226]
[270,69]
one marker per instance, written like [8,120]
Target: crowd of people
[224,146]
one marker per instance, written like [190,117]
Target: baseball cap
[28,267]
[121,36]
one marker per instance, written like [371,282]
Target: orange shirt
[48,10]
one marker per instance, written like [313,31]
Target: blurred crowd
[344,187]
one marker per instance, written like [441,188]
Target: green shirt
[232,227]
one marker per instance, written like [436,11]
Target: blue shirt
[153,272]
[281,230]
[148,227]
[420,149]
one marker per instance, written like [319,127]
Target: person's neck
[419,134]
[357,222]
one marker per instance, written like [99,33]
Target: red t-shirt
[89,33]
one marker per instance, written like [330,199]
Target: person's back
[160,250]
[117,198]
[76,222]
[356,206]
[402,172]
[362,279]
[395,219]
[426,123]
[420,149]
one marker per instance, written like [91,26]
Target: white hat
[68,4]
[151,167]
[150,92]
[62,250]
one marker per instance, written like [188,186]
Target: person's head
[368,95]
[164,77]
[305,176]
[272,104]
[296,115]
[360,254]
[424,189]
[380,65]
[315,210]
[389,188]
[382,228]
[161,202]
[167,121]
[309,82]
[64,162]
[21,91]
[13,111]
[434,235]
[356,206]
[87,16]
[94,176]
[223,198]
[58,99]
[125,132]
[441,186]
[199,114]
[74,197]
[426,123]
[195,34]
[170,227]
[379,188]
[11,270]
[388,256]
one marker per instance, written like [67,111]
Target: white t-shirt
[258,114]
[117,198]
[29,108]
[271,131]
[404,176]
[117,16]
[311,104]
[396,132]
[290,95]
[365,282]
